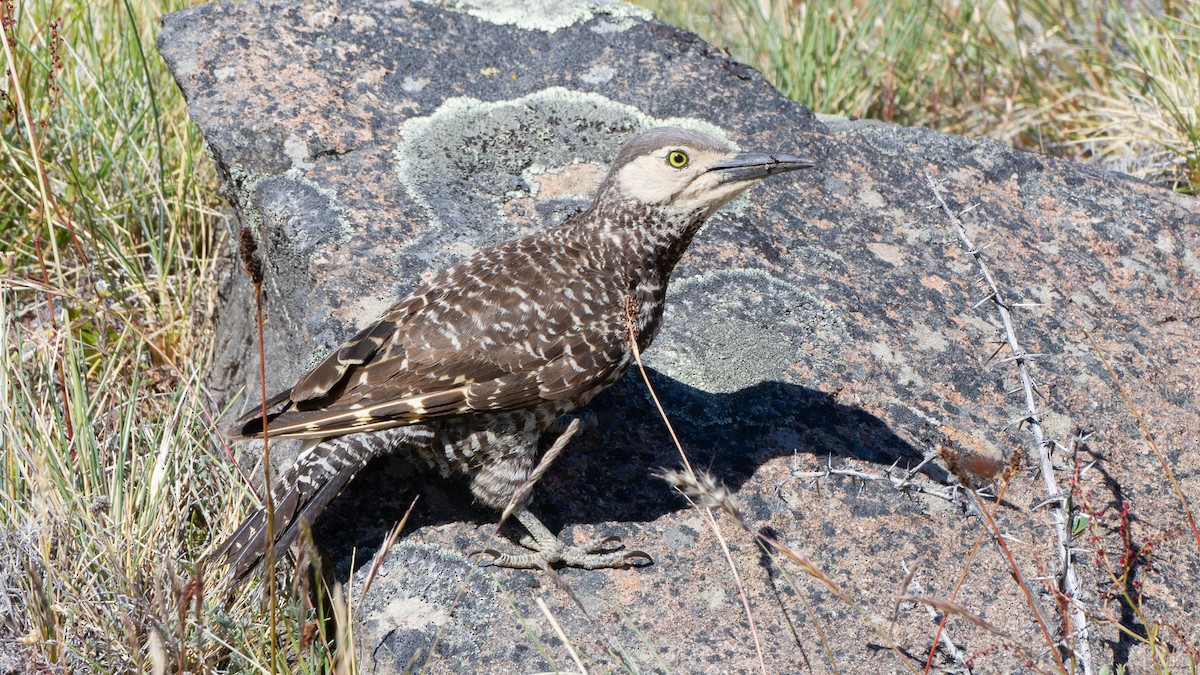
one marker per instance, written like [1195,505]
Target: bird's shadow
[607,471]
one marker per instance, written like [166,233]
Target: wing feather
[329,373]
[495,335]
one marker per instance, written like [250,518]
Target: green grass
[110,217]
[1084,79]
[112,484]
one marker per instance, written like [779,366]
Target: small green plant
[1125,561]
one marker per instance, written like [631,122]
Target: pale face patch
[650,179]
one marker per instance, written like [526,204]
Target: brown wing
[499,332]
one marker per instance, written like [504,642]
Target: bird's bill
[753,165]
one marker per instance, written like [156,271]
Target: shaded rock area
[830,318]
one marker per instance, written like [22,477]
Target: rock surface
[831,318]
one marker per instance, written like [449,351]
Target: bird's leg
[547,548]
[524,491]
[587,420]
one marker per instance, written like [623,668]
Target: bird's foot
[548,550]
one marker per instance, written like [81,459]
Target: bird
[468,372]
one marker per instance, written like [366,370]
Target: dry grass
[1105,81]
[110,216]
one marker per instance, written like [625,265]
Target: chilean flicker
[467,372]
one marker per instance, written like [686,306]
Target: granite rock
[830,318]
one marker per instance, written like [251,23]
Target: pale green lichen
[469,158]
[756,327]
[341,226]
[547,15]
[264,199]
[296,150]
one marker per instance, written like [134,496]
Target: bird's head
[689,174]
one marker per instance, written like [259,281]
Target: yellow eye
[677,159]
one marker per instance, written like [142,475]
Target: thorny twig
[943,637]
[900,479]
[1068,582]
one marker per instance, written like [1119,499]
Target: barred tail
[302,493]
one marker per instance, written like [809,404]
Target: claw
[631,558]
[495,555]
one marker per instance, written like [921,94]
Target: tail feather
[300,495]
